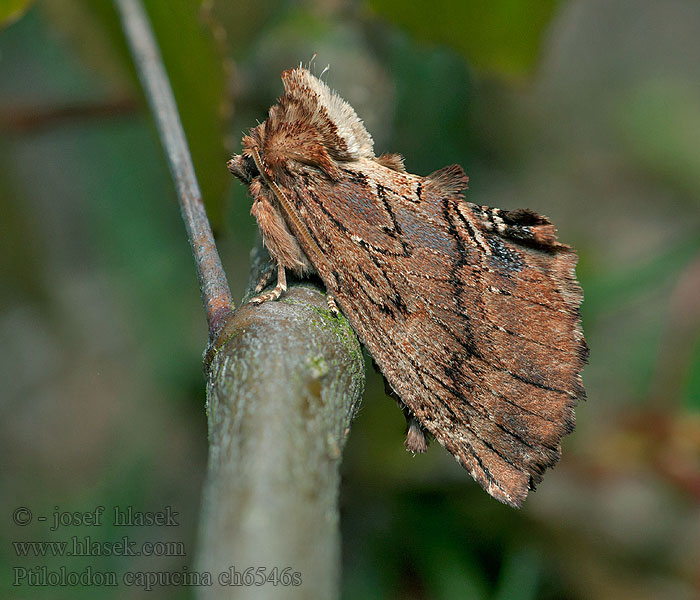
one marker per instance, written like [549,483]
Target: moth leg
[416,438]
[332,306]
[416,442]
[264,280]
[279,289]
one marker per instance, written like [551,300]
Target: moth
[471,313]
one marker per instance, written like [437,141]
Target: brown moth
[471,313]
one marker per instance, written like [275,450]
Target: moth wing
[472,315]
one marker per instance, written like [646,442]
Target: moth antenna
[325,70]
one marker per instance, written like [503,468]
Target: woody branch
[282,391]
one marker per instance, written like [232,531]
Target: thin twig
[23,118]
[216,294]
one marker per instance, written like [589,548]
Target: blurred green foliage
[11,10]
[502,36]
[586,112]
[195,66]
[660,122]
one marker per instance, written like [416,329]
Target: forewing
[472,314]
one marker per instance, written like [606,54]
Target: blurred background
[587,111]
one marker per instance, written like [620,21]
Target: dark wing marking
[479,330]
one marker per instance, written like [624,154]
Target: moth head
[243,166]
[310,126]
